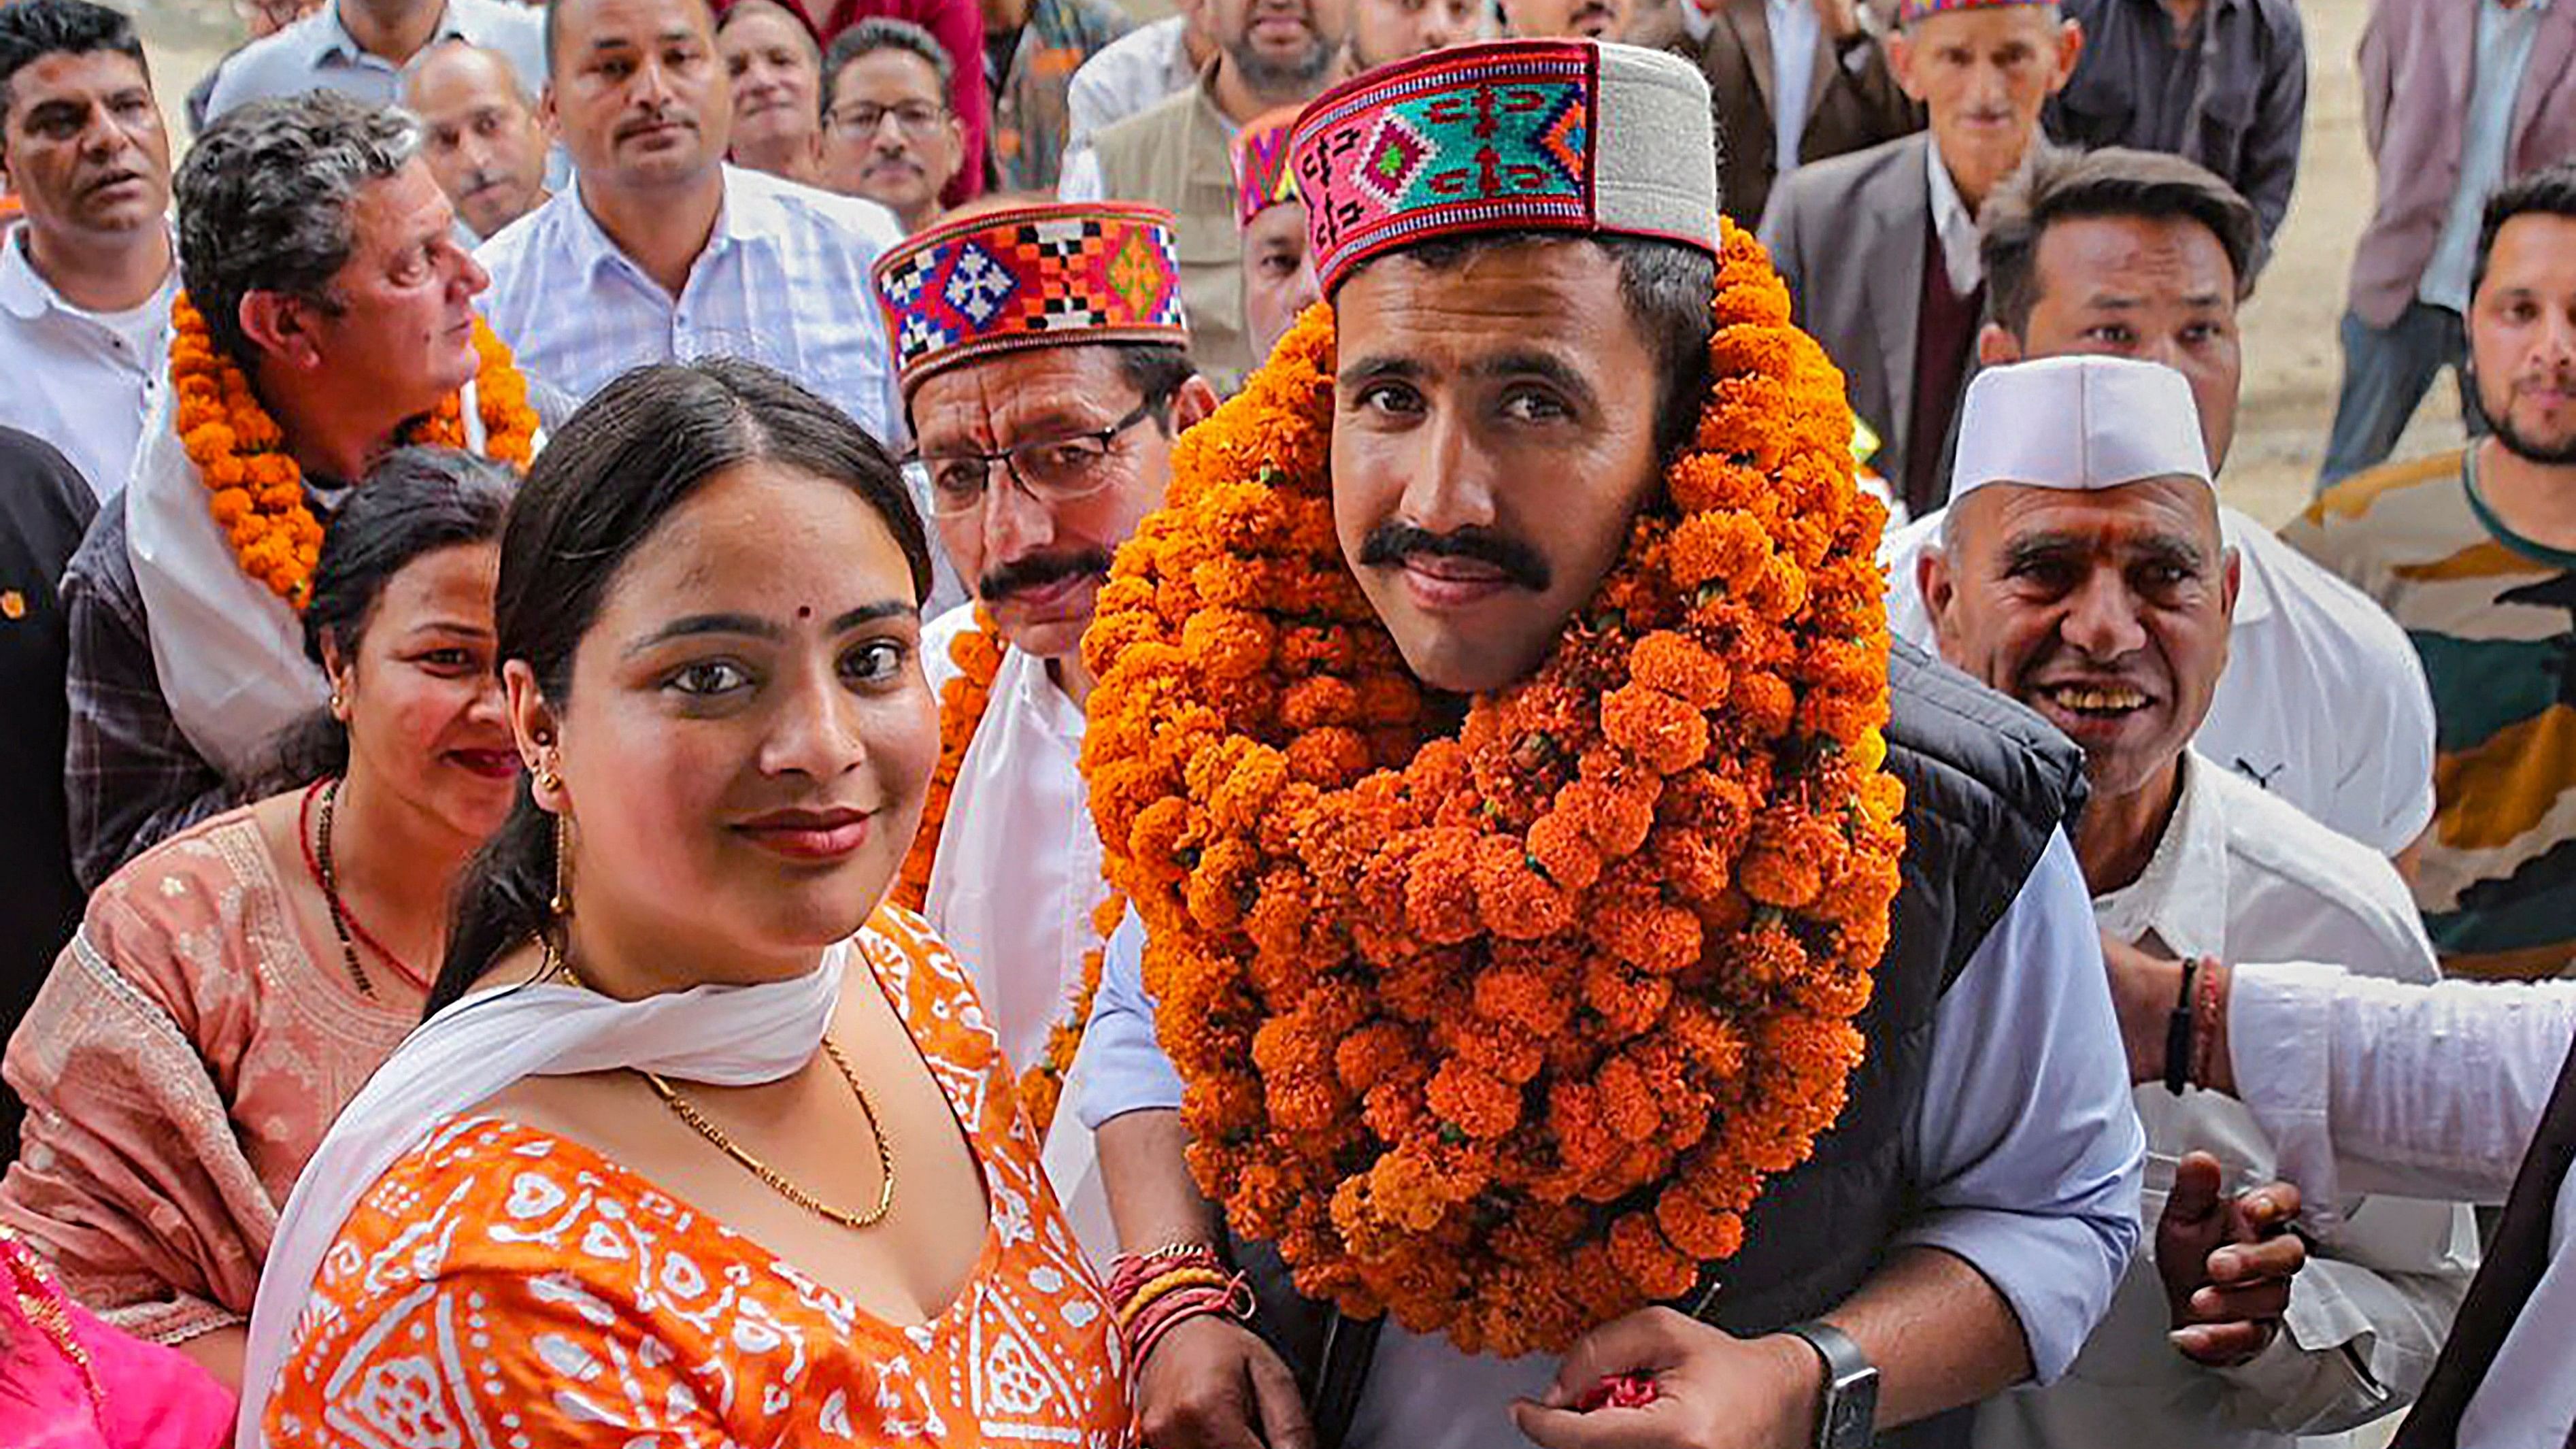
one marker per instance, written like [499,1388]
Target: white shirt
[2323,702]
[82,381]
[783,281]
[2243,876]
[2371,1086]
[1955,224]
[2043,1202]
[1126,76]
[318,52]
[1016,881]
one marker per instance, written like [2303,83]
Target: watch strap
[1847,1415]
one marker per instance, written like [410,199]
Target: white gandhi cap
[2077,423]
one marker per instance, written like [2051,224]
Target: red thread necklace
[318,862]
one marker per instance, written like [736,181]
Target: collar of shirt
[749,212]
[27,296]
[2181,897]
[2254,583]
[1952,222]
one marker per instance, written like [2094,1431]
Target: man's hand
[2143,991]
[1213,1384]
[1712,1389]
[2227,1263]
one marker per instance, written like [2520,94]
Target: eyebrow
[1506,364]
[753,626]
[2162,547]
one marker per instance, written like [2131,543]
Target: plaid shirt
[783,281]
[131,779]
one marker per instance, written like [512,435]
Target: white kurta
[2244,876]
[1016,881]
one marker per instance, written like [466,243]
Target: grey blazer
[1847,236]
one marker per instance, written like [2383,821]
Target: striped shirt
[2493,615]
[783,281]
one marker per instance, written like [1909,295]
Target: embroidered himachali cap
[2077,423]
[1910,11]
[1261,176]
[1038,276]
[1548,135]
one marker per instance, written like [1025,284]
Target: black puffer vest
[1986,782]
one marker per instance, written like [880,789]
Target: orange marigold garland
[1503,1032]
[977,653]
[256,486]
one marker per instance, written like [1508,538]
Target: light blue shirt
[783,282]
[318,53]
[2024,1151]
[1795,34]
[2504,53]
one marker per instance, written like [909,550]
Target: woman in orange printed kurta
[506,1278]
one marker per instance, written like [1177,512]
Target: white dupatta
[476,1049]
[228,651]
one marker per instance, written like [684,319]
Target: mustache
[662,115]
[1039,570]
[1390,544]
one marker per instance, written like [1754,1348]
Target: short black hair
[547,31]
[2549,191]
[2059,184]
[884,32]
[30,30]
[1670,290]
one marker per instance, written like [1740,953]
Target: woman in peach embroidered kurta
[500,1282]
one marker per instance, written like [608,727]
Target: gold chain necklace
[778,1182]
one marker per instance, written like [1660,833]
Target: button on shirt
[2505,35]
[2025,1161]
[2243,876]
[82,381]
[318,53]
[783,282]
[2323,702]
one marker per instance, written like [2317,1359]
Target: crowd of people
[1330,722]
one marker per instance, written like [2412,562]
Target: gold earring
[549,781]
[561,905]
[339,704]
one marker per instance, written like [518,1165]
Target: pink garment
[128,1394]
[958,26]
[180,1064]
[2415,60]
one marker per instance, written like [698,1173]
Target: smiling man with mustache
[660,251]
[86,278]
[1879,247]
[888,134]
[1045,440]
[2084,571]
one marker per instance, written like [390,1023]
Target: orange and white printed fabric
[502,1286]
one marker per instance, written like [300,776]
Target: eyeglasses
[1050,470]
[913,119]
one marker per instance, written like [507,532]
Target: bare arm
[1940,1334]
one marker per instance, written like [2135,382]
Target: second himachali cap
[1036,276]
[1910,11]
[1531,135]
[2077,423]
[1262,179]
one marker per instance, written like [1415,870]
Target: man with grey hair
[329,314]
[888,134]
[481,136]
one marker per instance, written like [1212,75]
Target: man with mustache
[888,134]
[776,71]
[86,276]
[1270,53]
[2083,571]
[2474,553]
[660,250]
[485,144]
[1880,247]
[2139,254]
[329,315]
[1470,479]
[1043,443]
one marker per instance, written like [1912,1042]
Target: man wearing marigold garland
[1536,845]
[328,316]
[2084,570]
[1045,422]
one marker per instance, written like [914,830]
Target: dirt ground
[2291,360]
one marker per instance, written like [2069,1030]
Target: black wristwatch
[1847,1417]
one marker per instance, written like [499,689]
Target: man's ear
[546,116]
[1997,347]
[280,326]
[1195,400]
[2070,48]
[1900,63]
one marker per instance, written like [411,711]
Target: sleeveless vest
[1986,784]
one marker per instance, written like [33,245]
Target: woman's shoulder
[207,874]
